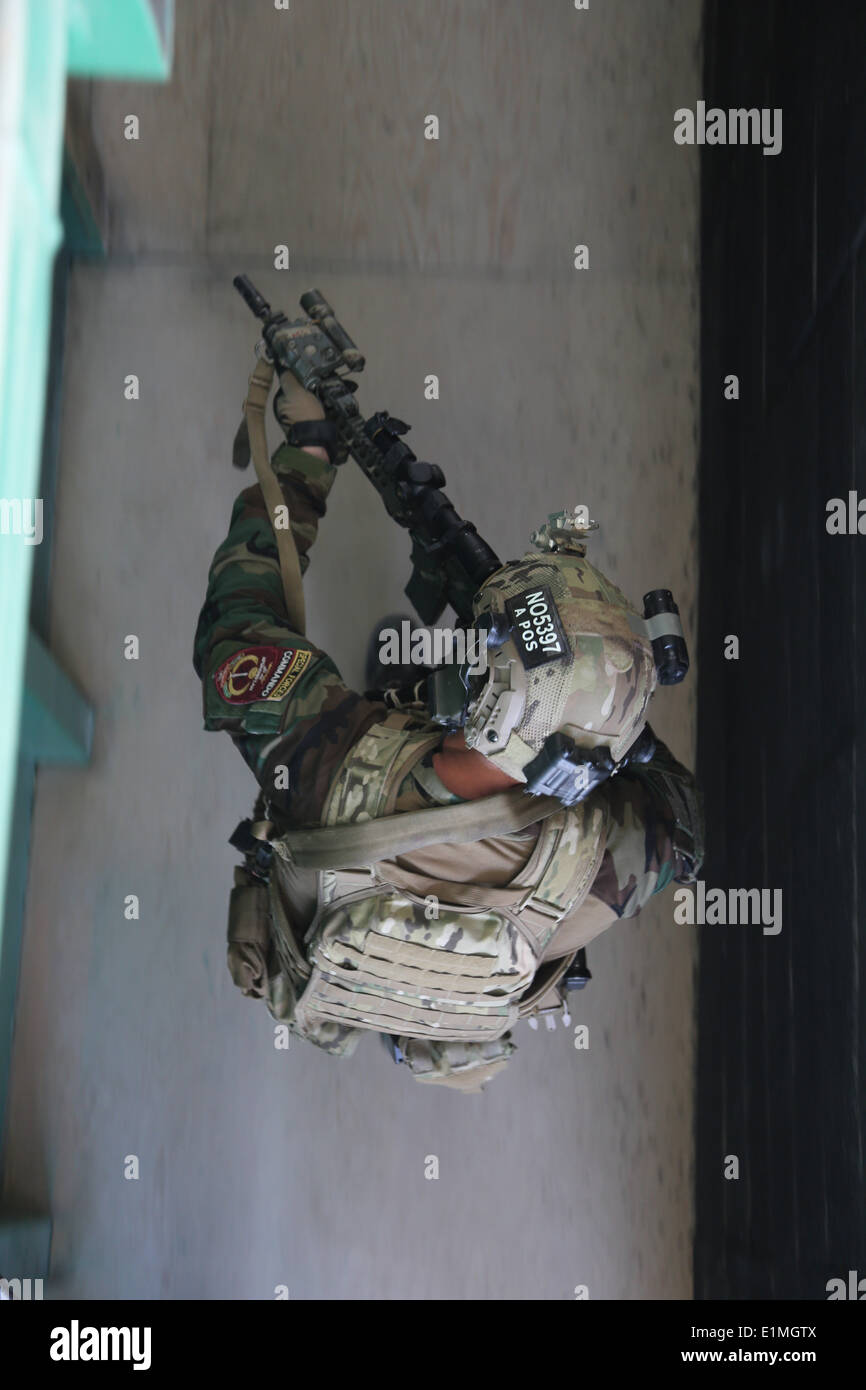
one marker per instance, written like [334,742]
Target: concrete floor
[258,1167]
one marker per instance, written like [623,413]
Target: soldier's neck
[467,773]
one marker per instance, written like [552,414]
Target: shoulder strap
[342,846]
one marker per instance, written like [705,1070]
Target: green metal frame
[32,103]
[43,717]
[131,39]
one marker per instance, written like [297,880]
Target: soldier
[398,877]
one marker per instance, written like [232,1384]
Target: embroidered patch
[260,673]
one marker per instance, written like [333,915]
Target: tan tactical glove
[293,403]
[303,420]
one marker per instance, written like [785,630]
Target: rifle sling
[290,569]
[386,837]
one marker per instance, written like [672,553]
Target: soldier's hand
[293,403]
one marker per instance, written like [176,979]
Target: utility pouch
[249,934]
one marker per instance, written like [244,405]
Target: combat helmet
[571,665]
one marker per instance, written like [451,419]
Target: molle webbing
[329,1003]
[432,1003]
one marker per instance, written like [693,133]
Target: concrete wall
[559,386]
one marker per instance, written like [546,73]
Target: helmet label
[536,627]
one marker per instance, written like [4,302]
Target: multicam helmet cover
[567,653]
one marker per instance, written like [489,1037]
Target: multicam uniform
[317,748]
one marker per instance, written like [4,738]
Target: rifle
[449,559]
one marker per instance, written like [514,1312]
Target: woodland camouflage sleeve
[279,696]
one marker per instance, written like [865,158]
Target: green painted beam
[38,39]
[32,106]
[131,39]
[56,720]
